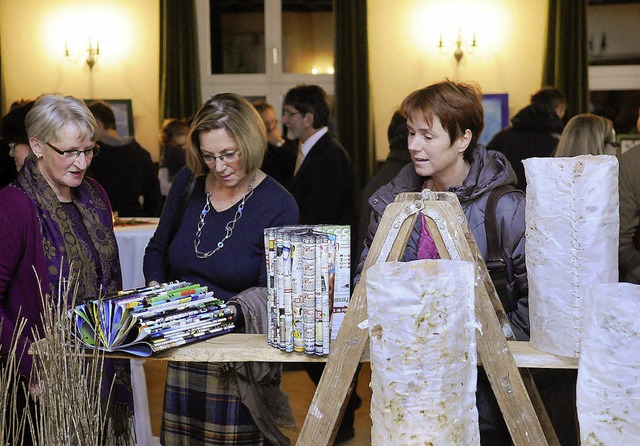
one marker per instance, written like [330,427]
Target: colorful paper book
[147,320]
[308,285]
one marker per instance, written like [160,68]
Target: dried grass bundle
[12,417]
[71,404]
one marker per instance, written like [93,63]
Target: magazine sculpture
[148,320]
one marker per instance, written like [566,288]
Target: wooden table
[237,347]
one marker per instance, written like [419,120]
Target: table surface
[238,347]
[132,241]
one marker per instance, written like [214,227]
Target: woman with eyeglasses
[54,221]
[211,233]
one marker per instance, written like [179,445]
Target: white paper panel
[572,242]
[423,353]
[608,392]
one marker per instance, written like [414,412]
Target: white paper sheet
[423,353]
[572,242]
[608,390]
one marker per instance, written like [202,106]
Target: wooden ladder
[514,389]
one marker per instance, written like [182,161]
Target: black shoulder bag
[495,262]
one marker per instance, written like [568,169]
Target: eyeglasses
[287,113]
[73,153]
[615,144]
[226,158]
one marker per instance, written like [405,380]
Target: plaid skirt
[202,407]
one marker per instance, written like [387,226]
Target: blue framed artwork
[496,115]
[123,112]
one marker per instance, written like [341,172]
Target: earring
[38,156]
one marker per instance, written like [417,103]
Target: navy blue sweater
[240,264]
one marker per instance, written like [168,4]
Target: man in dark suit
[323,186]
[323,183]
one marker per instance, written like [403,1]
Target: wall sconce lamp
[93,52]
[458,53]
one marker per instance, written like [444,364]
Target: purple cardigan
[22,265]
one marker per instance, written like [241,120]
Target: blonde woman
[587,134]
[211,233]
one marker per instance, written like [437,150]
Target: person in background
[173,137]
[52,217]
[323,186]
[280,158]
[124,169]
[444,122]
[587,134]
[15,145]
[629,189]
[535,131]
[211,233]
[323,182]
[398,157]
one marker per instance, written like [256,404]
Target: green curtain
[566,64]
[179,67]
[354,119]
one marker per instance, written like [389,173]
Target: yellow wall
[403,37]
[33,34]
[403,40]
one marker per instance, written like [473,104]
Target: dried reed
[71,404]
[12,417]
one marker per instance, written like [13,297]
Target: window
[262,48]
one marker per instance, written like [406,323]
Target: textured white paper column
[423,353]
[572,242]
[608,392]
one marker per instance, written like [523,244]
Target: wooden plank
[240,347]
[328,402]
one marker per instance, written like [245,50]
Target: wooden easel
[517,397]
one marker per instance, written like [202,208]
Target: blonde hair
[51,112]
[585,134]
[236,115]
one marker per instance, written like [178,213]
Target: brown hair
[458,106]
[172,127]
[236,115]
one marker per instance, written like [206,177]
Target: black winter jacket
[534,132]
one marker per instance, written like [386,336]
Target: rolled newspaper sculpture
[608,390]
[423,353]
[572,242]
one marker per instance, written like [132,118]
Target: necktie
[298,161]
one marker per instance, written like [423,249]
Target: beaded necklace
[228,227]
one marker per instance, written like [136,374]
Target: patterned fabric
[427,248]
[78,238]
[63,248]
[201,407]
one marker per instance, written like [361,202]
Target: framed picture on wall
[496,115]
[123,112]
[627,141]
